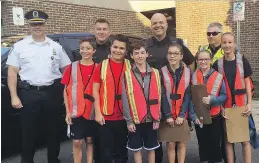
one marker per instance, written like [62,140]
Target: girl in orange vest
[237,75]
[209,135]
[107,90]
[176,80]
[78,100]
[141,96]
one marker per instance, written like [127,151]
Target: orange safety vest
[240,88]
[109,93]
[213,86]
[175,97]
[80,99]
[139,105]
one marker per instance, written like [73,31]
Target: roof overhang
[147,5]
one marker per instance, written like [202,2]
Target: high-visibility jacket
[213,86]
[219,54]
[109,92]
[79,96]
[139,105]
[240,88]
[175,97]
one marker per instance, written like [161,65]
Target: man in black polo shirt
[102,33]
[157,47]
[158,44]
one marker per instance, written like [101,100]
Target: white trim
[133,149]
[150,149]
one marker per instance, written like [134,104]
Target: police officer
[103,43]
[38,60]
[157,47]
[214,33]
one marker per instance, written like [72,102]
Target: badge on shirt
[55,61]
[54,52]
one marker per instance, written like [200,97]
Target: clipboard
[237,127]
[167,133]
[203,113]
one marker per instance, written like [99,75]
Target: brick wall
[193,17]
[65,17]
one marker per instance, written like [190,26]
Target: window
[73,46]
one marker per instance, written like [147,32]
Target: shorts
[81,128]
[144,136]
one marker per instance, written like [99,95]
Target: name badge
[55,61]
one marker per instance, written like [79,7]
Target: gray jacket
[145,83]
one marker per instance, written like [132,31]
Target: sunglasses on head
[213,33]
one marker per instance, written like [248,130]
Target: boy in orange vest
[141,96]
[107,89]
[78,100]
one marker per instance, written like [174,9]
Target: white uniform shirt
[38,62]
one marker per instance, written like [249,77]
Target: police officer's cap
[36,16]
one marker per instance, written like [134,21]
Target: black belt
[40,88]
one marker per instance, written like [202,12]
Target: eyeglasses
[204,60]
[174,54]
[213,33]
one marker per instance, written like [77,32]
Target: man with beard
[157,47]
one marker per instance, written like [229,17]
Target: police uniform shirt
[38,62]
[102,51]
[158,52]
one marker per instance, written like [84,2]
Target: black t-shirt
[158,52]
[102,51]
[230,71]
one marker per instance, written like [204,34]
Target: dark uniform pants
[40,106]
[209,140]
[113,141]
[97,149]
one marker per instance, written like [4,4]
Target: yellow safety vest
[219,54]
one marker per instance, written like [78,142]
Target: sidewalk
[255,112]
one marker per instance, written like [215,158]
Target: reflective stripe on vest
[213,86]
[136,97]
[240,99]
[108,90]
[217,55]
[78,104]
[103,76]
[74,87]
[169,86]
